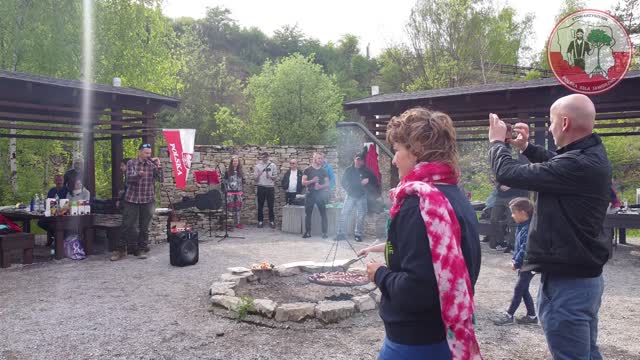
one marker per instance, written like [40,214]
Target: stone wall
[209,157]
[351,141]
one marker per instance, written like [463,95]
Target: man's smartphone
[510,133]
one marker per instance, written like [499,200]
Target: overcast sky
[376,22]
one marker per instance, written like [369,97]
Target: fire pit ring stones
[284,292]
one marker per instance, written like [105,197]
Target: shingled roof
[463,90]
[99,88]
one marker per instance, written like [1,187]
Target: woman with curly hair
[432,252]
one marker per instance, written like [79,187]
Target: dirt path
[146,309]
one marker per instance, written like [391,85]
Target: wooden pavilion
[52,108]
[526,101]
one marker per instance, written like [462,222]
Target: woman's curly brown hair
[429,135]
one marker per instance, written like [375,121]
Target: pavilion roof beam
[71,109]
[73,129]
[59,119]
[40,137]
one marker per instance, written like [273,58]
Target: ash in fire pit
[292,289]
[339,297]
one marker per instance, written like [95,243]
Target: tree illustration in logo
[598,38]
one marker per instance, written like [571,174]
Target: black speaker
[183,248]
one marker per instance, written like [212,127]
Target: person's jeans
[136,219]
[394,351]
[313,198]
[351,203]
[521,292]
[267,193]
[568,311]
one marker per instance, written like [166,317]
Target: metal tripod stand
[226,235]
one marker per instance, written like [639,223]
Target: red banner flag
[180,144]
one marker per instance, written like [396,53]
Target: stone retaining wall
[209,157]
[224,294]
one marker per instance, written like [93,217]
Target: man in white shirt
[264,174]
[292,182]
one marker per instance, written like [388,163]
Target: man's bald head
[572,118]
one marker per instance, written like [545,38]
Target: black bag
[183,248]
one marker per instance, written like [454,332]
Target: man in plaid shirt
[138,204]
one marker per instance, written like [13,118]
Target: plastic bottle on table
[36,202]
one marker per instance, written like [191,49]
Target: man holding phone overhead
[564,246]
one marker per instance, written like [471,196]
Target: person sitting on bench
[61,191]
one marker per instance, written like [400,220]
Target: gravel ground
[146,309]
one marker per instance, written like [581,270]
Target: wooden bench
[111,223]
[16,241]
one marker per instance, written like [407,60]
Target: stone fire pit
[285,293]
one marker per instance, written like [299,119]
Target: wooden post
[88,150]
[150,137]
[539,132]
[116,155]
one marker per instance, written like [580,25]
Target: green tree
[231,129]
[396,71]
[207,84]
[452,39]
[136,43]
[290,39]
[626,11]
[218,28]
[533,75]
[292,102]
[598,38]
[354,72]
[133,41]
[31,40]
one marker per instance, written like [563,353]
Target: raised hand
[497,128]
[521,141]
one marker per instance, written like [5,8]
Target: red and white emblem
[589,51]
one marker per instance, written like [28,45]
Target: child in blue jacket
[521,211]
